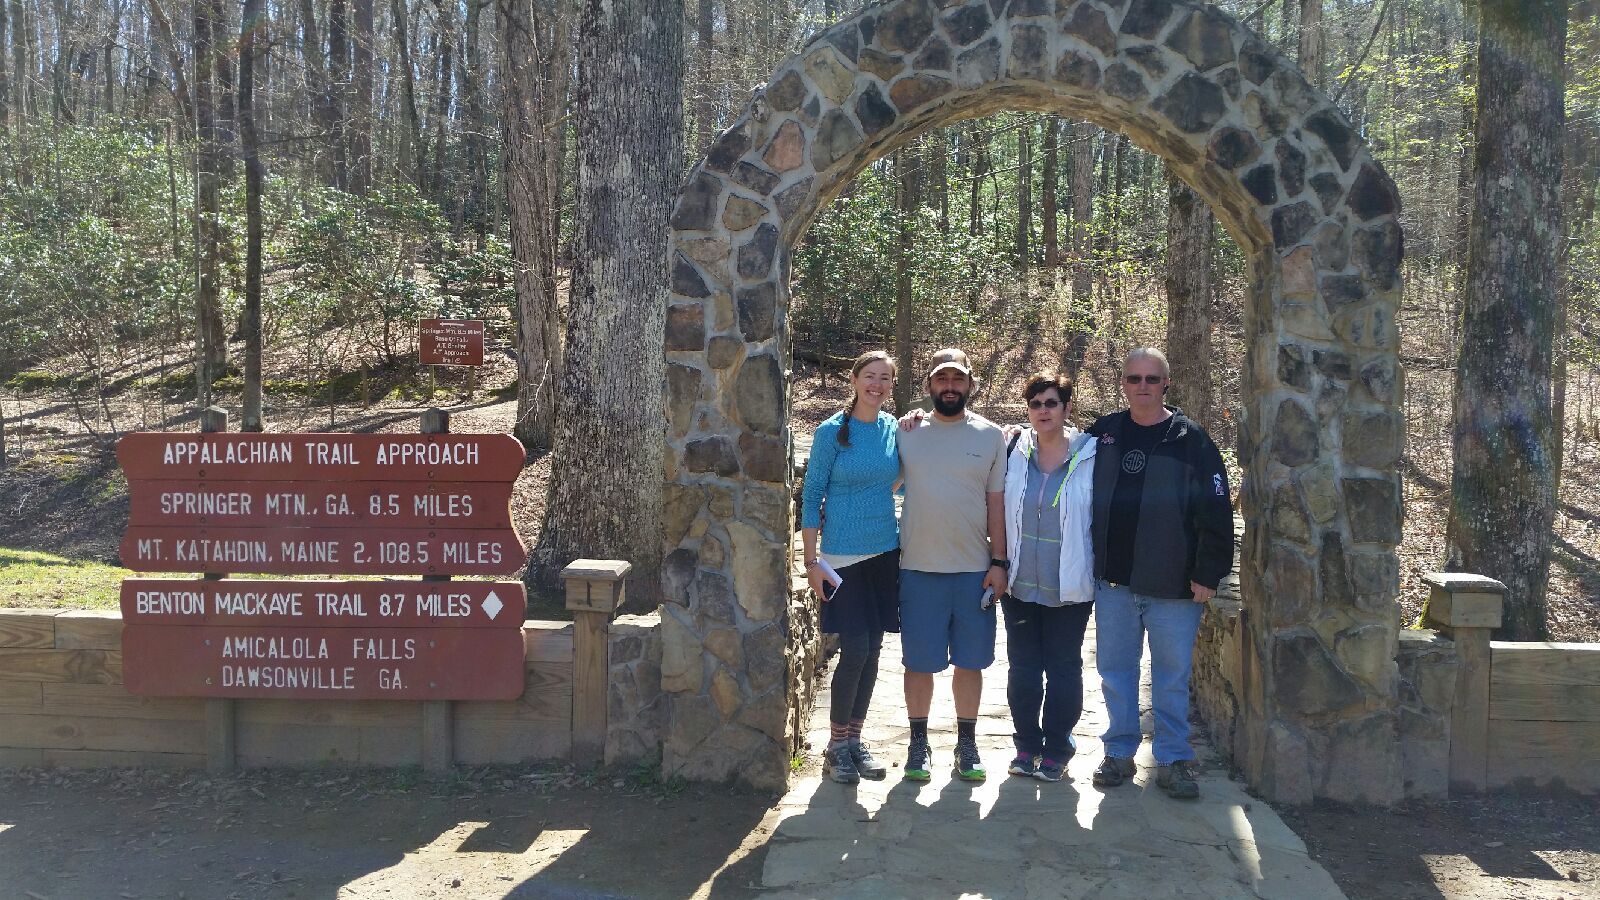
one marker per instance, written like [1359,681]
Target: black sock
[919,728]
[967,729]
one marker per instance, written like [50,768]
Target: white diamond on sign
[492,605]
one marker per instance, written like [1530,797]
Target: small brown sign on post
[324,604]
[451,342]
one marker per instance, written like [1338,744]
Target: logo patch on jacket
[1216,482]
[1108,439]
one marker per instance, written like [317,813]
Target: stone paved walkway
[1021,838]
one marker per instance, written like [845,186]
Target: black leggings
[854,675]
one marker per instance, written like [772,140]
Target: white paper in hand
[830,574]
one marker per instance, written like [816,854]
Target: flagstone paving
[1014,837]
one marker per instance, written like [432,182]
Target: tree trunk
[1189,301]
[1080,327]
[252,38]
[906,169]
[5,79]
[339,90]
[439,115]
[606,475]
[534,60]
[411,137]
[361,101]
[318,84]
[221,36]
[1311,40]
[21,89]
[474,210]
[1024,194]
[211,348]
[1049,188]
[1502,495]
[705,111]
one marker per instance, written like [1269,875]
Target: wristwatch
[1004,564]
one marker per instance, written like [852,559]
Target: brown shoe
[1113,771]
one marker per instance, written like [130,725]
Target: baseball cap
[949,358]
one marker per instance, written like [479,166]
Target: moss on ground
[31,579]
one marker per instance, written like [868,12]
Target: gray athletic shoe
[866,763]
[840,765]
[1113,771]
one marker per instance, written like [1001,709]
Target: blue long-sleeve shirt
[856,485]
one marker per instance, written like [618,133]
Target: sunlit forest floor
[62,494]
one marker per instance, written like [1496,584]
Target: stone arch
[1316,216]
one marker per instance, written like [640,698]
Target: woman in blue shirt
[849,497]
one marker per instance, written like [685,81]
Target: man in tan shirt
[952,550]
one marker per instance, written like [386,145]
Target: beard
[949,407]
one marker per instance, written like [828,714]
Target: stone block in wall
[1427,664]
[635,709]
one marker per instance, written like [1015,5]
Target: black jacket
[1185,530]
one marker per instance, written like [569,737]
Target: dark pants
[854,675]
[1045,642]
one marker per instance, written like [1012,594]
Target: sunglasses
[1147,379]
[1046,403]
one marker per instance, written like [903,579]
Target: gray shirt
[1038,578]
[950,468]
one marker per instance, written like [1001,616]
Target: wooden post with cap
[221,712]
[1467,609]
[438,716]
[594,591]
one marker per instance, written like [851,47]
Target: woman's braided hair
[862,361]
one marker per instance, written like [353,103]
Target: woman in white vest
[1049,496]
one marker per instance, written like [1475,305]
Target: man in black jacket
[1163,540]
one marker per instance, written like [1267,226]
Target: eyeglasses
[1046,403]
[1147,379]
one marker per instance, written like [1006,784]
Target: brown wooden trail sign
[323,663]
[434,504]
[324,604]
[450,342]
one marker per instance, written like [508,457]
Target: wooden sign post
[433,505]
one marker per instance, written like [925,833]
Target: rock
[1292,368]
[1332,246]
[686,327]
[1337,591]
[1125,83]
[726,644]
[1378,253]
[725,693]
[758,312]
[902,27]
[837,138]
[845,40]
[1291,585]
[1262,184]
[759,394]
[710,252]
[1257,61]
[1288,766]
[686,280]
[719,501]
[1376,578]
[785,94]
[677,573]
[1291,167]
[1017,9]
[936,55]
[697,205]
[793,198]
[915,90]
[767,658]
[1371,439]
[1193,104]
[1306,677]
[1289,517]
[1299,274]
[741,213]
[787,150]
[712,454]
[1078,69]
[1148,58]
[1232,147]
[756,255]
[1089,25]
[1261,115]
[980,65]
[765,459]
[833,78]
[760,577]
[768,508]
[683,392]
[681,667]
[1373,194]
[767,713]
[1378,377]
[1290,224]
[726,151]
[1368,654]
[755,178]
[1361,761]
[1330,400]
[1369,326]
[1332,363]
[1306,318]
[1329,191]
[1342,290]
[1204,38]
[1295,435]
[1321,492]
[693,720]
[874,112]
[680,504]
[1373,508]
[1330,126]
[967,24]
[883,65]
[711,598]
[724,351]
[721,311]
[1146,17]
[1030,51]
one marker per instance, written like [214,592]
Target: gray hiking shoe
[866,763]
[839,764]
[1113,771]
[1178,780]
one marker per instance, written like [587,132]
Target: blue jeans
[1122,620]
[1045,641]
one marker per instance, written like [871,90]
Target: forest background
[253,202]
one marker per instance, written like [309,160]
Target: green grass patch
[30,579]
[32,381]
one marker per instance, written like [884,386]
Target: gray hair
[1150,353]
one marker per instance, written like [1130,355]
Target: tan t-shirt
[949,468]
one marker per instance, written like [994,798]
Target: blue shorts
[941,622]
